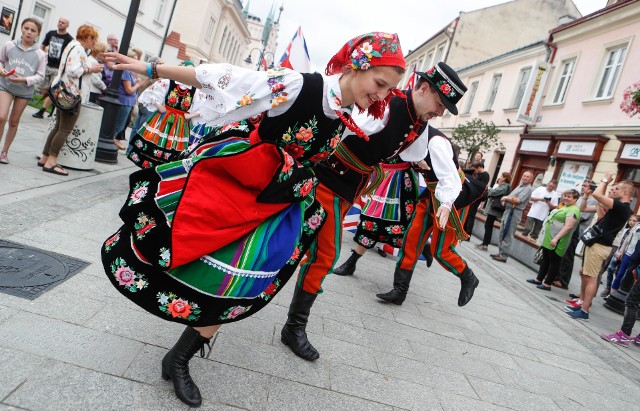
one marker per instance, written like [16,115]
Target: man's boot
[401,281]
[468,284]
[349,266]
[175,366]
[293,333]
[38,114]
[426,253]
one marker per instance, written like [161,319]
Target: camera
[592,187]
[547,199]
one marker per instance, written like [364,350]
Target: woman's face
[568,199]
[29,32]
[632,222]
[368,86]
[88,43]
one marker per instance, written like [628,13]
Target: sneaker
[481,247]
[574,303]
[636,340]
[619,338]
[570,308]
[3,158]
[579,315]
[605,293]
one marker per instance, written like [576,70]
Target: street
[82,346]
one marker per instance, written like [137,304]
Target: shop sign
[631,152]
[536,146]
[533,93]
[572,176]
[577,148]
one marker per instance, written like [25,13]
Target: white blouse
[156,93]
[234,93]
[76,65]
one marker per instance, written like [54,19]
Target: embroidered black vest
[383,145]
[179,99]
[303,130]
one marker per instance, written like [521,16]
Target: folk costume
[164,135]
[351,171]
[444,181]
[204,238]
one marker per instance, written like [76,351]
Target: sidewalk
[83,346]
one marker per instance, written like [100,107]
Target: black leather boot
[175,366]
[349,266]
[293,333]
[401,281]
[426,253]
[468,284]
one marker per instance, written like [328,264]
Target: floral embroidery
[111,241]
[145,163]
[304,187]
[165,257]
[176,307]
[295,256]
[398,242]
[380,43]
[223,82]
[233,312]
[369,225]
[139,192]
[365,241]
[139,143]
[446,89]
[320,156]
[276,83]
[407,182]
[314,222]
[269,292]
[394,229]
[245,100]
[143,225]
[297,140]
[127,278]
[409,208]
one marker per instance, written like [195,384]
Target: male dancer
[344,176]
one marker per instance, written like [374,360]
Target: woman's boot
[426,253]
[468,284]
[349,266]
[401,281]
[293,333]
[175,366]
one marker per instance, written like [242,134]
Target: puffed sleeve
[417,150]
[155,93]
[449,184]
[199,99]
[235,93]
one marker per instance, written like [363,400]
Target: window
[471,94]
[428,63]
[159,10]
[209,35]
[611,70]
[43,13]
[523,79]
[493,91]
[224,37]
[563,83]
[439,53]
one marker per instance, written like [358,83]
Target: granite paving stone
[454,402]
[18,366]
[510,397]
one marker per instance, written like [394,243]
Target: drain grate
[29,272]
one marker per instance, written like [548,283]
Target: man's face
[551,186]
[63,24]
[428,103]
[527,178]
[615,191]
[113,43]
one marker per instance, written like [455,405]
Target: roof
[528,46]
[598,13]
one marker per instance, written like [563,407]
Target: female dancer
[207,250]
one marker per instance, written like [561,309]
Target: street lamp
[107,152]
[262,56]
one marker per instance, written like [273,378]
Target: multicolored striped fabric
[168,130]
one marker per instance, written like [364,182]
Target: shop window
[572,174]
[563,83]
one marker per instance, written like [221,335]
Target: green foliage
[476,135]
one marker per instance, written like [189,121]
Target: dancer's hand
[442,216]
[117,61]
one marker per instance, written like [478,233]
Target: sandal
[534,281]
[55,169]
[559,285]
[544,287]
[500,258]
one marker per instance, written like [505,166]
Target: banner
[533,93]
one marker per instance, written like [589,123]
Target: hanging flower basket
[631,100]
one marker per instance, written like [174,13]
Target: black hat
[447,83]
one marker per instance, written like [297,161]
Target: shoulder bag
[63,98]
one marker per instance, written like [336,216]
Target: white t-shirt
[539,209]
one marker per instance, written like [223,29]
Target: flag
[296,56]
[264,64]
[411,81]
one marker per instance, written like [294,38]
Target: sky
[328,24]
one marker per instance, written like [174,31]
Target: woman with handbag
[494,208]
[558,228]
[22,65]
[74,65]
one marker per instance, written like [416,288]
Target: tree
[476,135]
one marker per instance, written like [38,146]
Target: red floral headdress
[365,51]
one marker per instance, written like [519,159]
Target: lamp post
[107,152]
[262,56]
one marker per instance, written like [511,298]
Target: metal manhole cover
[28,272]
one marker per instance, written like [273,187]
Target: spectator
[494,208]
[542,200]
[631,308]
[566,265]
[558,227]
[112,43]
[127,96]
[55,41]
[624,253]
[76,65]
[483,177]
[22,64]
[514,204]
[617,203]
[143,112]
[613,262]
[95,86]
